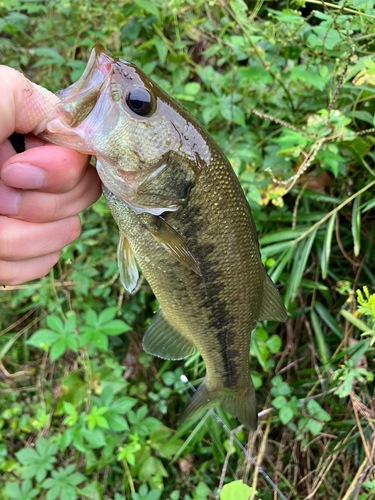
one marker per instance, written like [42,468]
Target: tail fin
[240,403]
[243,405]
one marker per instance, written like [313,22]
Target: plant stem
[335,210]
[128,475]
[346,9]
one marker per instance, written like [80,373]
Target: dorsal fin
[272,307]
[164,341]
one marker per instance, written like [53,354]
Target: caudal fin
[240,403]
[243,405]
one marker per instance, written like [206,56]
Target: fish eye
[139,101]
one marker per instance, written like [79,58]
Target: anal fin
[273,307]
[127,265]
[164,341]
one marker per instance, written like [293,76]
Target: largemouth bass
[183,218]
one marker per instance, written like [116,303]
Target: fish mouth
[79,99]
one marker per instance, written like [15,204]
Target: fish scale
[183,218]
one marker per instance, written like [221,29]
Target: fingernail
[9,200]
[22,175]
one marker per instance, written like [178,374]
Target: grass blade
[356,225]
[299,265]
[329,320]
[322,346]
[284,259]
[361,325]
[195,434]
[326,252]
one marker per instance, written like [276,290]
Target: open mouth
[78,100]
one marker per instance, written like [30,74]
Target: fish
[182,217]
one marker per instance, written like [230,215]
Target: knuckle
[6,237]
[8,274]
[74,228]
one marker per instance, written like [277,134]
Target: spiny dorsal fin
[272,307]
[164,341]
[175,245]
[127,264]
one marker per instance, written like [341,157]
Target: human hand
[42,190]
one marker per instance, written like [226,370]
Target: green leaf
[13,490]
[154,494]
[27,456]
[192,88]
[58,349]
[235,490]
[94,437]
[43,338]
[286,414]
[317,411]
[280,388]
[107,315]
[115,327]
[314,427]
[76,478]
[362,115]
[313,78]
[55,323]
[162,49]
[274,343]
[148,6]
[91,318]
[116,422]
[150,468]
[279,402]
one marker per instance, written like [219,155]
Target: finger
[34,206]
[7,150]
[52,169]
[20,240]
[23,103]
[15,273]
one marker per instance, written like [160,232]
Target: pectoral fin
[273,307]
[162,340]
[173,243]
[127,264]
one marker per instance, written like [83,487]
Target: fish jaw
[74,120]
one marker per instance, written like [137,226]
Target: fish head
[119,115]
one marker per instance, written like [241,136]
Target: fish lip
[65,116]
[94,79]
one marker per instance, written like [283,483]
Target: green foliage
[287,90]
[237,490]
[39,461]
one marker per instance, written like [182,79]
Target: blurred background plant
[287,90]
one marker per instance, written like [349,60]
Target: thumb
[23,104]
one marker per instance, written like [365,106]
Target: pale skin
[42,190]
